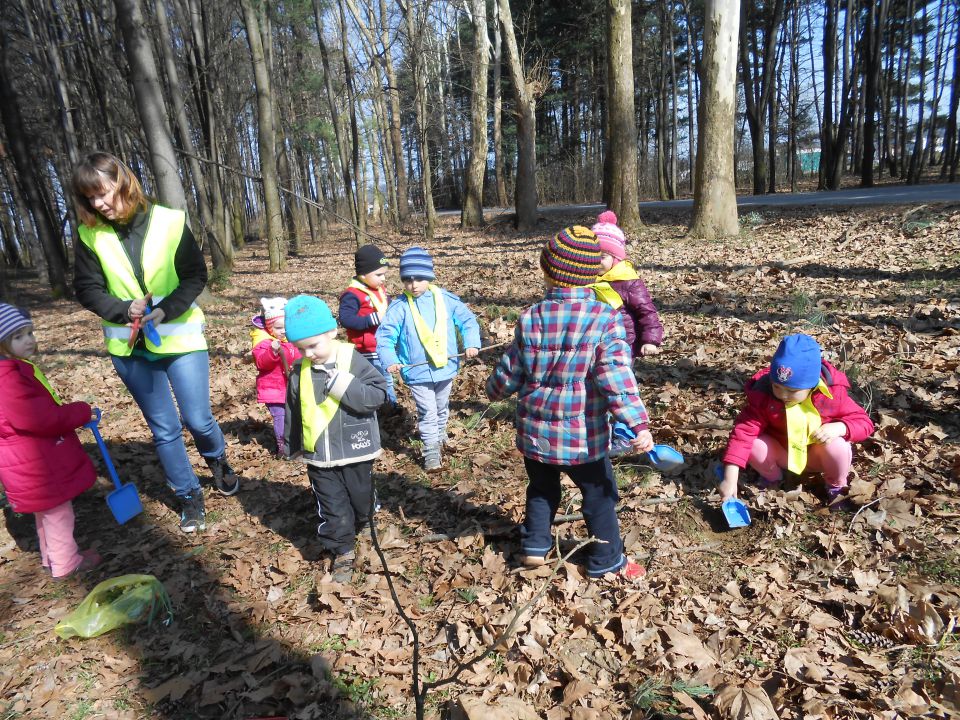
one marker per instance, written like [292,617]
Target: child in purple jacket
[569,365]
[644,330]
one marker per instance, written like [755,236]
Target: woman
[118,224]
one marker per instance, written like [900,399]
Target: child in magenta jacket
[274,356]
[42,464]
[639,315]
[797,417]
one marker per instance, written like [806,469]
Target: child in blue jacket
[418,338]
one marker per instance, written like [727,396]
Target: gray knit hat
[12,319]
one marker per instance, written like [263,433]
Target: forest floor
[804,614]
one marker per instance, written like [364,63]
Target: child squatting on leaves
[42,464]
[797,417]
[570,365]
[639,315]
[273,355]
[331,423]
[418,338]
[363,306]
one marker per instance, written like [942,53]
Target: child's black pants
[343,503]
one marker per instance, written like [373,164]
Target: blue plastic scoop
[736,513]
[663,457]
[124,502]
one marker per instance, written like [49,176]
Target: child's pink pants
[768,457]
[58,549]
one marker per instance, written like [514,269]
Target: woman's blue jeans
[155,384]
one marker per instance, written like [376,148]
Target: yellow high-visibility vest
[42,379]
[164,230]
[315,417]
[378,298]
[434,341]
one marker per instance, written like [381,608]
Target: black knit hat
[368,259]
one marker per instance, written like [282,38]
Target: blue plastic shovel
[124,502]
[734,511]
[663,457]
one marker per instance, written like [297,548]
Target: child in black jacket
[331,423]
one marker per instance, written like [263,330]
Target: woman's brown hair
[91,177]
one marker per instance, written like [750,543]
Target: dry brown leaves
[804,614]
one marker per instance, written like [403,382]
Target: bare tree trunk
[415,33]
[472,214]
[149,100]
[396,137]
[222,259]
[622,194]
[715,196]
[266,141]
[360,202]
[951,156]
[872,34]
[525,99]
[916,157]
[691,79]
[498,109]
[30,183]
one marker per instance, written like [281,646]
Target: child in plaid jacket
[570,366]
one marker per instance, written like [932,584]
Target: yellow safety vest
[378,298]
[315,417]
[164,231]
[606,294]
[802,421]
[433,341]
[42,379]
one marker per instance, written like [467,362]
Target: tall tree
[472,214]
[29,181]
[872,64]
[715,193]
[620,191]
[759,29]
[148,94]
[266,140]
[525,91]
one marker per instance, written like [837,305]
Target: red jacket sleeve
[264,357]
[30,409]
[746,428]
[859,425]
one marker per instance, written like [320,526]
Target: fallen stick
[558,520]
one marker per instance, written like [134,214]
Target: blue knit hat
[306,316]
[416,262]
[796,363]
[12,319]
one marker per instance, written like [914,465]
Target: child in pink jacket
[42,464]
[274,356]
[797,417]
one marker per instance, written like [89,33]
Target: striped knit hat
[571,258]
[416,262]
[12,319]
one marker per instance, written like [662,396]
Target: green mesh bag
[115,602]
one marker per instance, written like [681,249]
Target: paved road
[883,195]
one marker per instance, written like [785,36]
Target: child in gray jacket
[331,424]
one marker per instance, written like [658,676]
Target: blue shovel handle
[93,425]
[674,459]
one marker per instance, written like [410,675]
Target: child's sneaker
[193,517]
[837,500]
[89,560]
[629,572]
[431,458]
[533,561]
[342,568]
[224,478]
